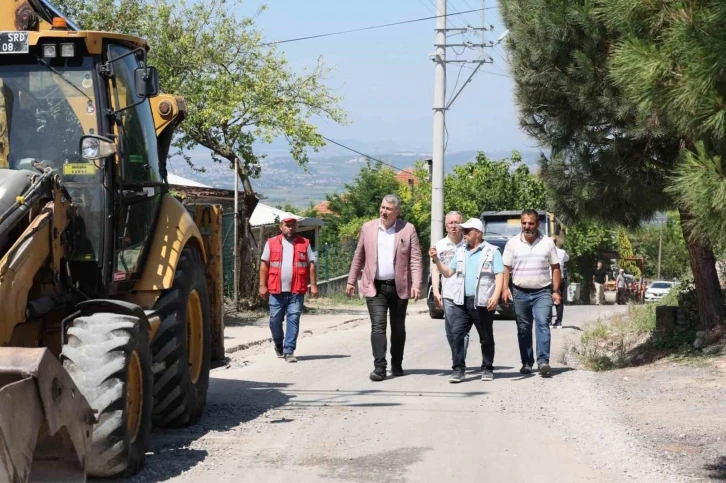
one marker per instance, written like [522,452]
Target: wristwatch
[558,292]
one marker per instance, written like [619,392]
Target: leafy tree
[606,162]
[625,250]
[476,186]
[359,202]
[585,241]
[674,257]
[238,90]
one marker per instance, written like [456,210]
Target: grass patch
[630,339]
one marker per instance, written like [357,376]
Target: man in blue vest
[476,287]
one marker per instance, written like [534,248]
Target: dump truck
[111,288]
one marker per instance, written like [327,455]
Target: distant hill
[283,181]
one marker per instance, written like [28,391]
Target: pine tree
[625,250]
[607,159]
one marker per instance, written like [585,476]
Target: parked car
[657,290]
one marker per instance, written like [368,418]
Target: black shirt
[600,274]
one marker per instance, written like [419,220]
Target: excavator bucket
[45,422]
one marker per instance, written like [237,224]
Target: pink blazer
[406,259]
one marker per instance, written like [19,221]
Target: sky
[386,76]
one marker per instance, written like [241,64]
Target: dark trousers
[386,300]
[560,309]
[621,298]
[462,318]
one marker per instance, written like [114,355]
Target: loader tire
[182,346]
[109,359]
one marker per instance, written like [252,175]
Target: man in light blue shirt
[476,288]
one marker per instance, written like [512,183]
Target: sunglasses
[466,231]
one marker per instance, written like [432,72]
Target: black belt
[532,290]
[385,282]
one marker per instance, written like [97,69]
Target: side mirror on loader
[147,82]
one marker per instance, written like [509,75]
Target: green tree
[476,186]
[605,163]
[238,90]
[585,241]
[359,202]
[625,250]
[674,257]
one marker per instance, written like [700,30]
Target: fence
[334,260]
[228,253]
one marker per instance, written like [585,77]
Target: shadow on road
[322,357]
[236,402]
[717,470]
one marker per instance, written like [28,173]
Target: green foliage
[359,203]
[334,259]
[699,185]
[237,90]
[674,258]
[584,242]
[476,186]
[486,185]
[669,61]
[625,250]
[615,127]
[605,164]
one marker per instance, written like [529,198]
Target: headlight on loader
[96,147]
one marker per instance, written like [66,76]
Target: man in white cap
[475,287]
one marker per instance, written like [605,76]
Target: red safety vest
[300,265]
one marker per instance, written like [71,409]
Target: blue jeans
[283,304]
[533,307]
[448,304]
[462,317]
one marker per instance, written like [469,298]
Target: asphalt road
[322,419]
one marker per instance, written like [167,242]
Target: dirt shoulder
[675,407]
[678,410]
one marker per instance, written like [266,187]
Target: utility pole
[437,168]
[660,247]
[236,234]
[441,106]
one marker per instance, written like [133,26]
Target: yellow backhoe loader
[110,288]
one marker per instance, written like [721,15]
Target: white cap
[474,223]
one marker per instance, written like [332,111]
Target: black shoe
[378,375]
[526,369]
[544,369]
[278,351]
[396,371]
[457,376]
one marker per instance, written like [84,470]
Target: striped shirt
[531,263]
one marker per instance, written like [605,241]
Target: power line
[367,28]
[362,154]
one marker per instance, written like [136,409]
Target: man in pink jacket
[389,258]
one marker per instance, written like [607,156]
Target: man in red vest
[287,266]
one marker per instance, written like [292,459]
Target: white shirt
[386,247]
[564,258]
[531,264]
[446,250]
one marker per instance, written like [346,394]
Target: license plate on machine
[13,42]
